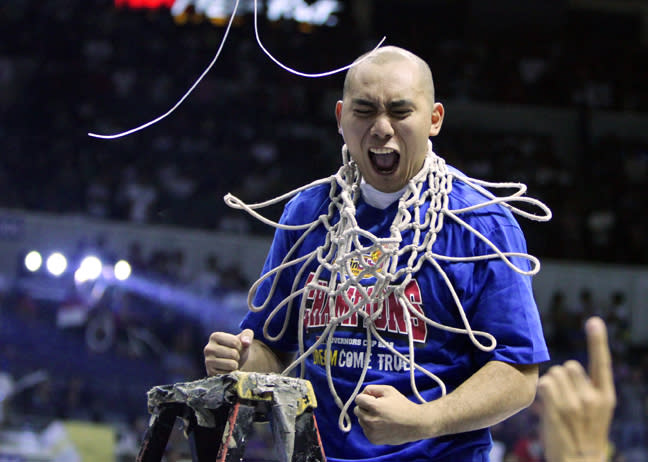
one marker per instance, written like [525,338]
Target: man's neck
[379,199]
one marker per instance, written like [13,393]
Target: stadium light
[122,270]
[89,269]
[56,264]
[33,261]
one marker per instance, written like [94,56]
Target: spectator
[140,194]
[618,321]
[578,407]
[180,360]
[208,282]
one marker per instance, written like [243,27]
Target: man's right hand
[227,352]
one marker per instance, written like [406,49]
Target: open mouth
[384,160]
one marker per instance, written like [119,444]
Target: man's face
[386,119]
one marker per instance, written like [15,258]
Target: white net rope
[344,247]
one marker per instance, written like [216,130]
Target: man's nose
[382,127]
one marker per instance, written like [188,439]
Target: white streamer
[213,61]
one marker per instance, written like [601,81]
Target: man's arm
[262,358]
[493,393]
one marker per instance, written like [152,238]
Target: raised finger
[600,363]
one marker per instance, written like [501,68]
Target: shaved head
[387,116]
[392,55]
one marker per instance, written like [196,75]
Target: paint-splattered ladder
[219,413]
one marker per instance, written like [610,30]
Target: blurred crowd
[255,130]
[67,68]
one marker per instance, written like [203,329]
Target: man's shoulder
[464,195]
[307,204]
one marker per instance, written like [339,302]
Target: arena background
[552,93]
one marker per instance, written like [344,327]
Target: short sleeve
[506,307]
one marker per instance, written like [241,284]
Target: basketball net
[341,255]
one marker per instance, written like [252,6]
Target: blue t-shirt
[495,298]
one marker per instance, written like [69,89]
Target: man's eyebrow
[400,103]
[363,102]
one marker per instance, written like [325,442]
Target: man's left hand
[387,416]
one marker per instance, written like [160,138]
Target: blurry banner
[60,441]
[93,442]
[144,4]
[315,12]
[312,12]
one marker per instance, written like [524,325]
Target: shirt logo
[392,318]
[368,261]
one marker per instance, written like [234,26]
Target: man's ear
[338,116]
[438,112]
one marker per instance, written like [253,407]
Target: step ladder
[219,413]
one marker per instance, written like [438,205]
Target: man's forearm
[263,359]
[495,392]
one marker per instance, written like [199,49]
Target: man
[386,117]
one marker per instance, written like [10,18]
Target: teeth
[381,150]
